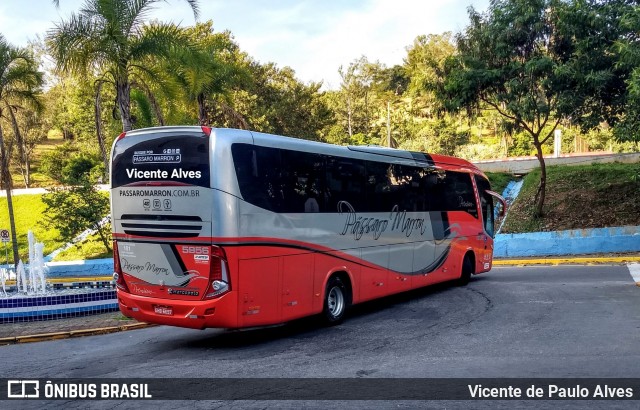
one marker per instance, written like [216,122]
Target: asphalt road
[513,322]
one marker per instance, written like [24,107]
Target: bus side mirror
[503,202]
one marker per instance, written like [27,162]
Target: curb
[72,333]
[589,260]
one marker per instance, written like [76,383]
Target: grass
[90,248]
[499,180]
[38,179]
[577,197]
[29,215]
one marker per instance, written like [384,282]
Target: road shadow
[309,326]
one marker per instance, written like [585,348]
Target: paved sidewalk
[33,191]
[23,332]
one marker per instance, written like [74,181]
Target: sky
[313,37]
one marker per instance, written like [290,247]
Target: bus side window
[435,190]
[244,160]
[257,171]
[378,187]
[344,182]
[302,183]
[454,192]
[406,190]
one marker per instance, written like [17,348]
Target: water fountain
[27,295]
[4,275]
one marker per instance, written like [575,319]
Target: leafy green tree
[289,106]
[77,204]
[76,208]
[624,16]
[355,89]
[69,107]
[68,164]
[108,38]
[515,59]
[20,81]
[425,65]
[31,128]
[271,100]
[209,69]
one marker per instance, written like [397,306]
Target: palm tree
[208,70]
[108,38]
[19,82]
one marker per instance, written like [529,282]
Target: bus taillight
[219,274]
[118,277]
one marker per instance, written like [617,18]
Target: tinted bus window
[378,187]
[345,181]
[280,180]
[176,158]
[486,204]
[258,171]
[408,188]
[453,191]
[302,182]
[291,181]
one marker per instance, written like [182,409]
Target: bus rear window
[177,158]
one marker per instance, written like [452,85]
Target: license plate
[163,310]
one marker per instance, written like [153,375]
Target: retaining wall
[523,165]
[571,242]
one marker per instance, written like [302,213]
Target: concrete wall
[572,242]
[524,165]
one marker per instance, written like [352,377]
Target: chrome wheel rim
[335,301]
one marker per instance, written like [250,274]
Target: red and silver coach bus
[231,228]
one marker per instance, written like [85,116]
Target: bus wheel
[335,301]
[467,271]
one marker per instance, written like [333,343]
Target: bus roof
[321,147]
[348,151]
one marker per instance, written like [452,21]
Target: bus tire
[336,300]
[466,271]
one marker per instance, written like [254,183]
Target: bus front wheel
[467,271]
[336,299]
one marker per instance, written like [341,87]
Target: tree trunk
[349,116]
[366,111]
[123,95]
[24,163]
[156,107]
[202,109]
[152,100]
[540,194]
[27,171]
[103,237]
[6,177]
[238,121]
[99,132]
